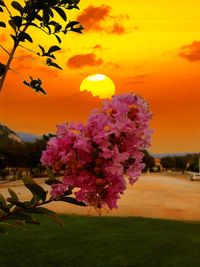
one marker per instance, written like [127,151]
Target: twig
[7,9]
[4,49]
[17,73]
[28,49]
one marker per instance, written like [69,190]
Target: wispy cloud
[138,79]
[83,60]
[101,19]
[191,52]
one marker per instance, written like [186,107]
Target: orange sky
[149,47]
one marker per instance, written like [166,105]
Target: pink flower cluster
[96,158]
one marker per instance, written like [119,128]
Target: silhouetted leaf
[2,69]
[13,25]
[58,38]
[61,12]
[17,6]
[2,24]
[54,49]
[20,216]
[1,9]
[23,36]
[2,3]
[35,84]
[49,62]
[45,16]
[17,20]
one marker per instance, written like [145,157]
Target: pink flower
[95,157]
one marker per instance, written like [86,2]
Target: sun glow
[99,85]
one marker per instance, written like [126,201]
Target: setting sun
[99,85]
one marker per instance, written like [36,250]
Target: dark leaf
[17,6]
[51,214]
[13,194]
[2,24]
[42,48]
[58,38]
[61,12]
[13,25]
[71,24]
[1,9]
[16,202]
[2,200]
[35,189]
[36,85]
[49,62]
[2,3]
[17,21]
[54,49]
[72,201]
[46,16]
[20,216]
[23,36]
[52,181]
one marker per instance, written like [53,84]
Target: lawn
[102,242]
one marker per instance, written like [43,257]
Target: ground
[153,195]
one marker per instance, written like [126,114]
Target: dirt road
[154,195]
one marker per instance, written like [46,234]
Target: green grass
[102,242]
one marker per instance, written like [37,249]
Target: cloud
[100,19]
[191,52]
[98,47]
[83,60]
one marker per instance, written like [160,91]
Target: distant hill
[7,135]
[26,137]
[171,154]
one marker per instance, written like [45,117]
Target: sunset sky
[148,47]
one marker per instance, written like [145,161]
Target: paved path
[154,195]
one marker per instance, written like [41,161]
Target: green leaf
[61,12]
[22,216]
[72,201]
[2,200]
[35,189]
[54,216]
[23,36]
[13,194]
[54,48]
[2,24]
[16,203]
[17,6]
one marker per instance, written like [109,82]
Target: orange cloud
[191,52]
[93,19]
[79,61]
